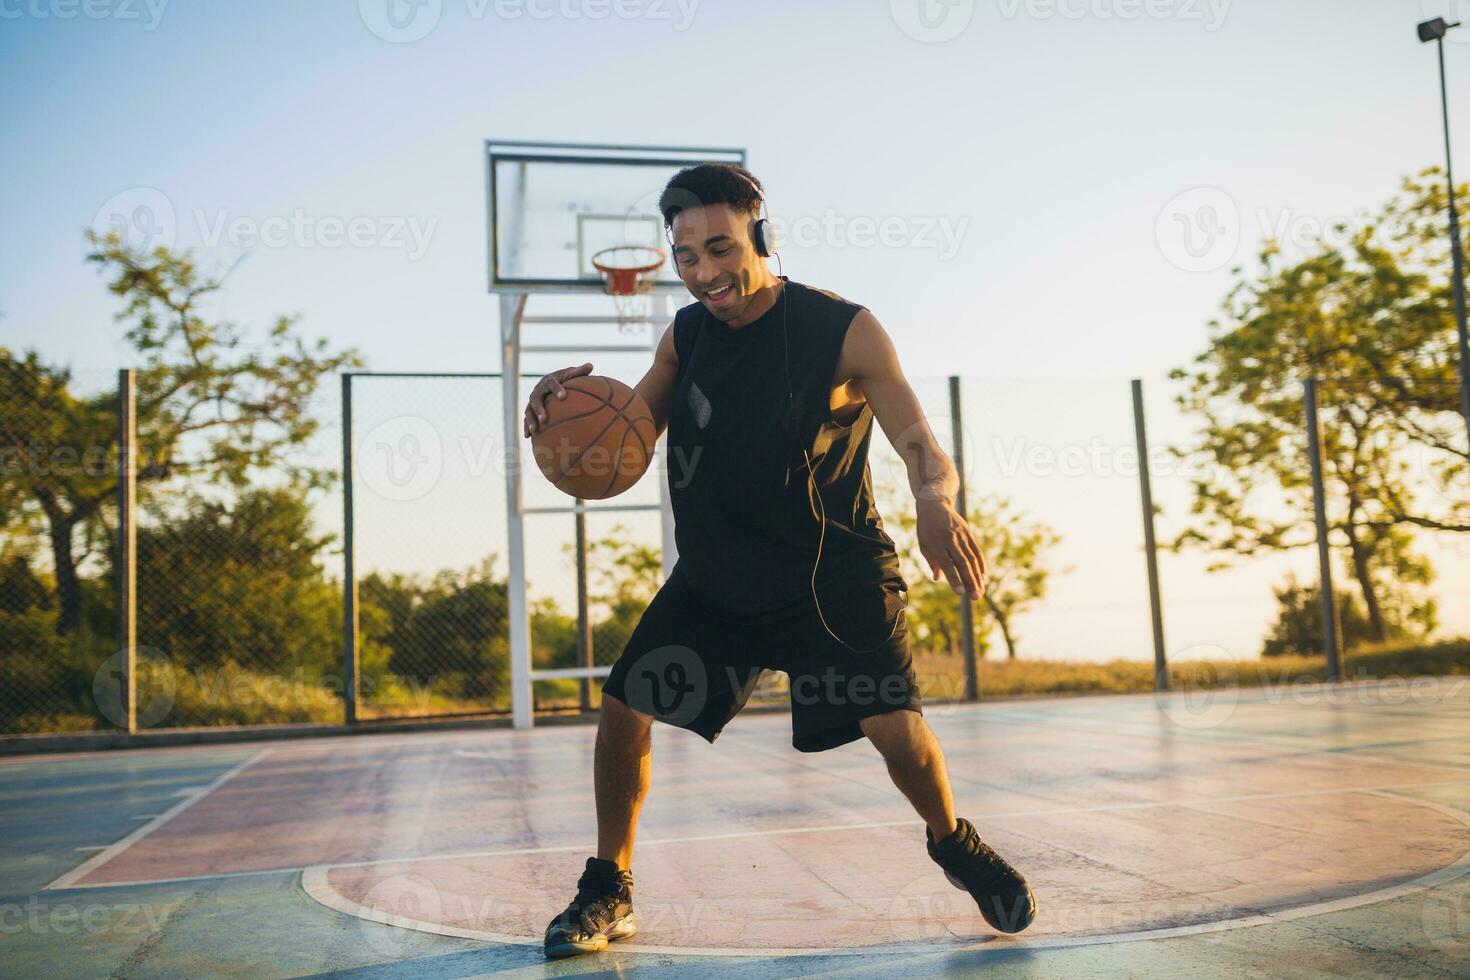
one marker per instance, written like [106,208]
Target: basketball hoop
[628,274]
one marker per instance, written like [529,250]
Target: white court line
[314,881]
[777,831]
[102,857]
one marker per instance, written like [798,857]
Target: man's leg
[622,769]
[916,765]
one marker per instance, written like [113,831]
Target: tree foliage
[208,405]
[1369,312]
[1019,571]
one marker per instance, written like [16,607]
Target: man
[768,389]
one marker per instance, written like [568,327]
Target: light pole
[1435,30]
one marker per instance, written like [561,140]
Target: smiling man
[783,564]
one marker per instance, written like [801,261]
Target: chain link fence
[240,612]
[57,608]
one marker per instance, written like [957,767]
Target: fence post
[522,688]
[1150,542]
[967,613]
[584,624]
[349,565]
[1330,640]
[127,548]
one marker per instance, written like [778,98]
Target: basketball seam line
[618,414]
[581,415]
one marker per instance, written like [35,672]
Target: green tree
[240,584]
[455,637]
[1018,574]
[1371,316]
[1298,626]
[623,577]
[207,403]
[553,635]
[1016,556]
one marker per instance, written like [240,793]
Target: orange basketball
[597,441]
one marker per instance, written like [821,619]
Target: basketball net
[628,272]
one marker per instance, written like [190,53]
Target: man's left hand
[950,548]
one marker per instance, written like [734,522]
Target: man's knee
[620,722]
[901,733]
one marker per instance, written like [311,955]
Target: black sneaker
[601,913]
[1000,890]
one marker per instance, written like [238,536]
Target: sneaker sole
[1009,932]
[618,932]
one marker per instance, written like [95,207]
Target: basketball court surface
[1317,831]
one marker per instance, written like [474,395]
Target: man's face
[717,260]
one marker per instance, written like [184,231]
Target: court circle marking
[315,883]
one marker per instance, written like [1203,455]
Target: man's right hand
[545,388]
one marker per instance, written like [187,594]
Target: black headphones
[763,237]
[762,232]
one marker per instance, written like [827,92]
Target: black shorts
[693,669]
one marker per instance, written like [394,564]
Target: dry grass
[943,677]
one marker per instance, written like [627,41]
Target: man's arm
[657,387]
[946,541]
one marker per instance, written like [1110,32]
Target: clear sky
[1058,142]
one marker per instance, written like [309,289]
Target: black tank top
[745,520]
